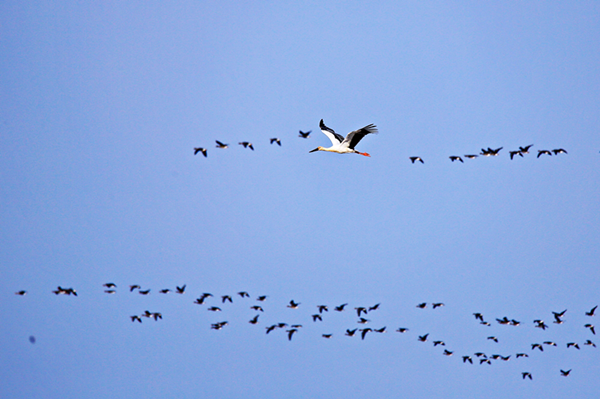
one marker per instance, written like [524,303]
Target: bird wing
[353,138]
[336,139]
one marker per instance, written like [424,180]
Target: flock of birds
[362,312]
[345,145]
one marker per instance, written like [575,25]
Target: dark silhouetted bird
[221,145]
[467,359]
[165,291]
[257,308]
[136,318]
[21,293]
[244,294]
[146,292]
[133,287]
[572,344]
[525,150]
[374,307]
[340,308]
[109,285]
[293,305]
[533,346]
[527,374]
[422,305]
[565,373]
[276,140]
[414,159]
[262,298]
[493,339]
[322,308]
[513,153]
[423,338]
[180,290]
[363,332]
[437,305]
[247,145]
[350,333]
[316,317]
[541,152]
[592,311]
[291,332]
[469,156]
[447,352]
[559,151]
[254,320]
[327,335]
[402,330]
[360,310]
[456,158]
[202,150]
[304,135]
[226,298]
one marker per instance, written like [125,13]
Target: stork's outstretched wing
[353,138]
[335,138]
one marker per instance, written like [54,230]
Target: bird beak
[316,149]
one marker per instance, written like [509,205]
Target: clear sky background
[101,105]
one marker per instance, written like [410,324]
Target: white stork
[346,145]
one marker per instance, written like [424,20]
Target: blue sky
[102,105]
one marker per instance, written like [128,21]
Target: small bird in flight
[276,140]
[414,159]
[221,145]
[304,135]
[202,150]
[247,145]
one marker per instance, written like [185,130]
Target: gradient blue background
[101,106]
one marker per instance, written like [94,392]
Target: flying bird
[276,140]
[423,338]
[493,339]
[340,308]
[327,335]
[109,285]
[21,293]
[202,150]
[374,307]
[304,135]
[437,305]
[540,152]
[471,156]
[527,374]
[467,359]
[513,153]
[490,153]
[414,159]
[573,344]
[221,145]
[565,373]
[402,330]
[350,333]
[254,320]
[180,290]
[165,291]
[559,151]
[290,333]
[244,294]
[293,305]
[533,346]
[592,311]
[133,287]
[525,150]
[346,145]
[316,317]
[247,145]
[422,305]
[591,327]
[455,158]
[226,298]
[322,308]
[363,332]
